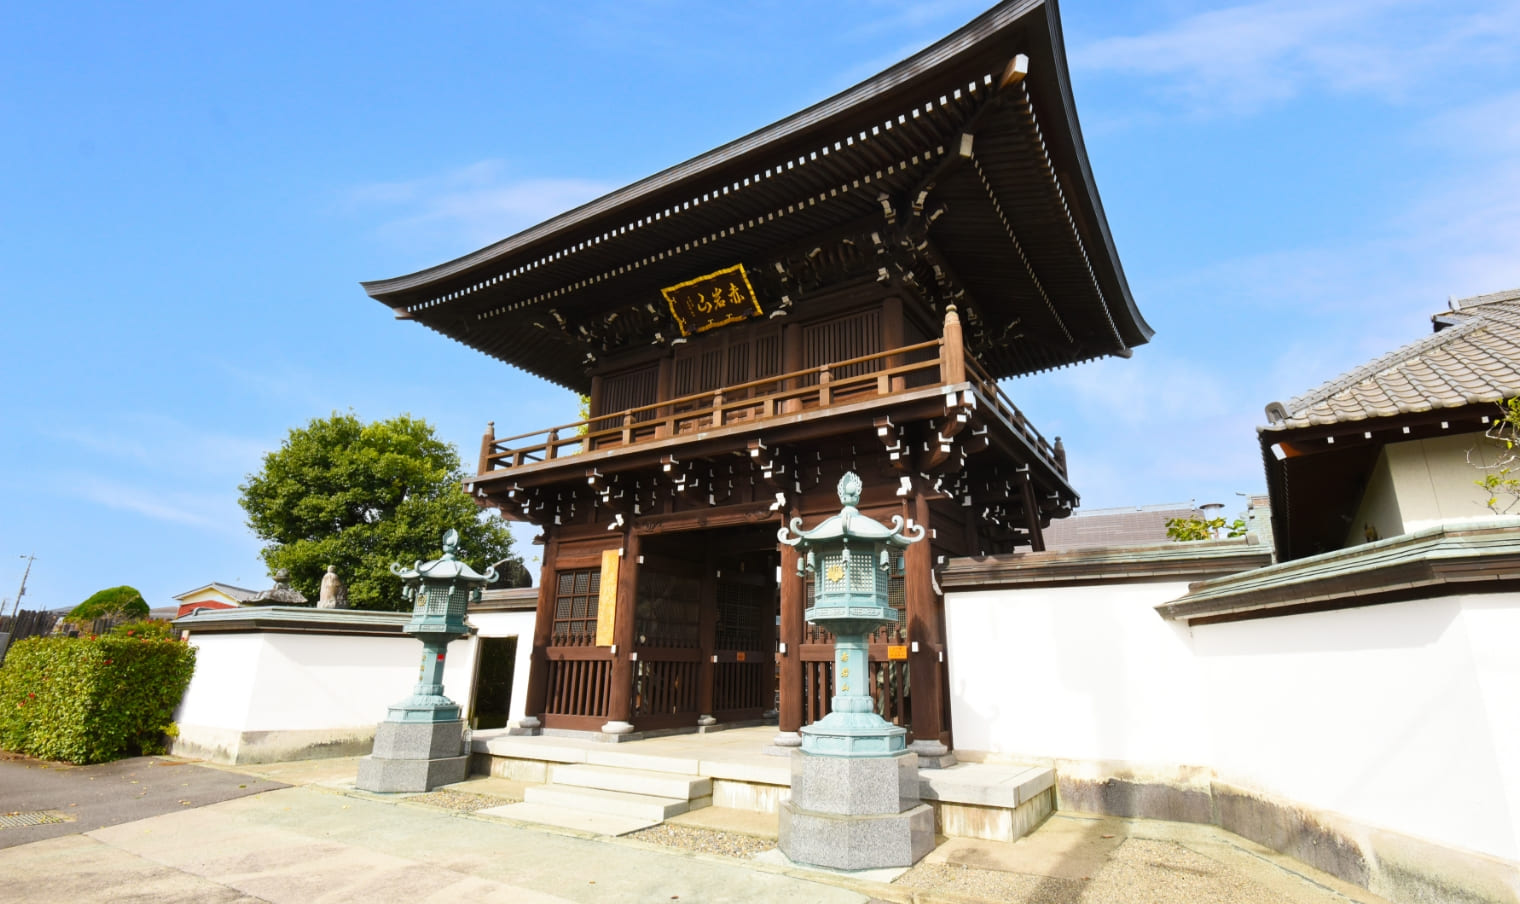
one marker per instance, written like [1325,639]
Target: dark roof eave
[958,48]
[940,52]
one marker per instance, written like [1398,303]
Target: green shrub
[89,700]
[149,630]
[112,601]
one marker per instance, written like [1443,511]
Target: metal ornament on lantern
[850,559]
[440,592]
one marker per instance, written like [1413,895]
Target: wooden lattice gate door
[744,642]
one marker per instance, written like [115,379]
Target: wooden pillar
[923,613]
[665,381]
[892,335]
[620,687]
[707,636]
[791,362]
[543,627]
[594,406]
[952,353]
[488,446]
[1032,515]
[791,633]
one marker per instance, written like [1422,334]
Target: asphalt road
[108,794]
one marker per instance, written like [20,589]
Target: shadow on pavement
[40,800]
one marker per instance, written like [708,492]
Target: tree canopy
[112,601]
[361,496]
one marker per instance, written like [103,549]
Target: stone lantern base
[856,812]
[415,756]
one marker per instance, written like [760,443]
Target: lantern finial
[849,489]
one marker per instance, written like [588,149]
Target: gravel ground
[992,885]
[1139,871]
[705,841]
[462,801]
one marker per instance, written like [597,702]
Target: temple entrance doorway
[705,626]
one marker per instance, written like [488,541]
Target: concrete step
[634,781]
[614,803]
[564,818]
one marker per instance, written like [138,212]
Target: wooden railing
[993,393]
[935,362]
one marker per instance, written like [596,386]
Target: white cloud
[159,443]
[1242,58]
[211,511]
[472,205]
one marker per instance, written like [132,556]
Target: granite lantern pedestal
[855,801]
[420,745]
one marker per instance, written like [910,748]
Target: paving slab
[88,797]
[562,817]
[307,845]
[326,842]
[82,870]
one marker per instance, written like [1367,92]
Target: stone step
[615,803]
[565,818]
[634,781]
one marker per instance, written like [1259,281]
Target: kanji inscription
[711,301]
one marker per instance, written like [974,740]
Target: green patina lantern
[440,592]
[850,559]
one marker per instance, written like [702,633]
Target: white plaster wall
[1378,713]
[309,681]
[1075,672]
[1402,716]
[1493,630]
[1434,478]
[290,682]
[222,686]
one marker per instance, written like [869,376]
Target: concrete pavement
[320,841]
[83,798]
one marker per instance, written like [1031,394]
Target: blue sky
[193,192]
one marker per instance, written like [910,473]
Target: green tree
[112,601]
[361,496]
[1185,530]
[1501,480]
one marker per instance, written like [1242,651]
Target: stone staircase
[608,800]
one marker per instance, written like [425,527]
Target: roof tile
[1473,357]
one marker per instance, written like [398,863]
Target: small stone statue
[281,594]
[333,595]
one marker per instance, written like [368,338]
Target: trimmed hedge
[89,700]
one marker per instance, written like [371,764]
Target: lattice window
[575,600]
[728,359]
[897,598]
[629,389]
[841,339]
[669,610]
[741,614]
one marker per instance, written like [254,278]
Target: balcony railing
[887,373]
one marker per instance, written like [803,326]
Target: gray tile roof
[1128,526]
[1473,357]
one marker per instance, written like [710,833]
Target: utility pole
[16,610]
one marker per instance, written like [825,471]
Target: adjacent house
[1396,445]
[213,596]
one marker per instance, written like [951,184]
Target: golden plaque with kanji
[711,301]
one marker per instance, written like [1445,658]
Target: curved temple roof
[963,164]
